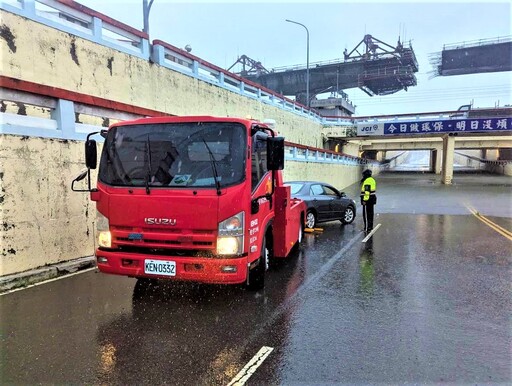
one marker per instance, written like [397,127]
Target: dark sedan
[324,202]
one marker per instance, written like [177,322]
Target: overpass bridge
[437,148]
[374,66]
[474,57]
[440,132]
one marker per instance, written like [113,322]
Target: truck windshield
[174,155]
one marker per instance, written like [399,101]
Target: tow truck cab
[192,198]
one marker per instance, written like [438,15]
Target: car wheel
[348,216]
[310,219]
[257,274]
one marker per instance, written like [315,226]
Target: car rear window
[295,188]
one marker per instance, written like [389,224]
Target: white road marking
[251,367]
[371,233]
[48,281]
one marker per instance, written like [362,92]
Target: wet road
[426,300]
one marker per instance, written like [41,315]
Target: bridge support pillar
[436,159]
[433,159]
[448,155]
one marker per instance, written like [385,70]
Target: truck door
[260,185]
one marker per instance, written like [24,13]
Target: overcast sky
[219,32]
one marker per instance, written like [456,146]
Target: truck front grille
[163,238]
[167,251]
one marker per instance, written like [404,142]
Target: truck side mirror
[91,155]
[275,153]
[84,173]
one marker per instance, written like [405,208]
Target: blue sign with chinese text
[476,125]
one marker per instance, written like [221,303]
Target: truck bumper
[201,270]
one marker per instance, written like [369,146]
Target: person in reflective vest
[368,199]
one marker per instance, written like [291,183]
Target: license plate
[160,267]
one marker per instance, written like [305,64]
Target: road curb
[33,276]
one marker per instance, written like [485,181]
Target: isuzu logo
[159,221]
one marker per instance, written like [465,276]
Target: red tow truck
[193,198]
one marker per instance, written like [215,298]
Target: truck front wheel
[257,274]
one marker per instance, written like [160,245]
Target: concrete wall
[339,176]
[42,221]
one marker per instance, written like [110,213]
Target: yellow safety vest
[368,188]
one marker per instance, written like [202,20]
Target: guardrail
[301,153]
[477,43]
[389,118]
[176,59]
[78,20]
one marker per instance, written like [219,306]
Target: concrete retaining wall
[43,221]
[339,176]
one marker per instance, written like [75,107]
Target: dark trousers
[368,216]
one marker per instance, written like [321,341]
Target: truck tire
[257,274]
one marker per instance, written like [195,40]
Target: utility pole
[146,8]
[307,59]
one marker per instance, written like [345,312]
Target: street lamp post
[145,14]
[307,60]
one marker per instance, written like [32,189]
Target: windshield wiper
[214,168]
[147,162]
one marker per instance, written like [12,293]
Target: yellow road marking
[502,231]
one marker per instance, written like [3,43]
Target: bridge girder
[380,69]
[473,59]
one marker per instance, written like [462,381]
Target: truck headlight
[102,227]
[228,246]
[230,239]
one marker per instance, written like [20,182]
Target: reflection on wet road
[425,300]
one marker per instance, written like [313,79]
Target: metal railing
[478,43]
[81,21]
